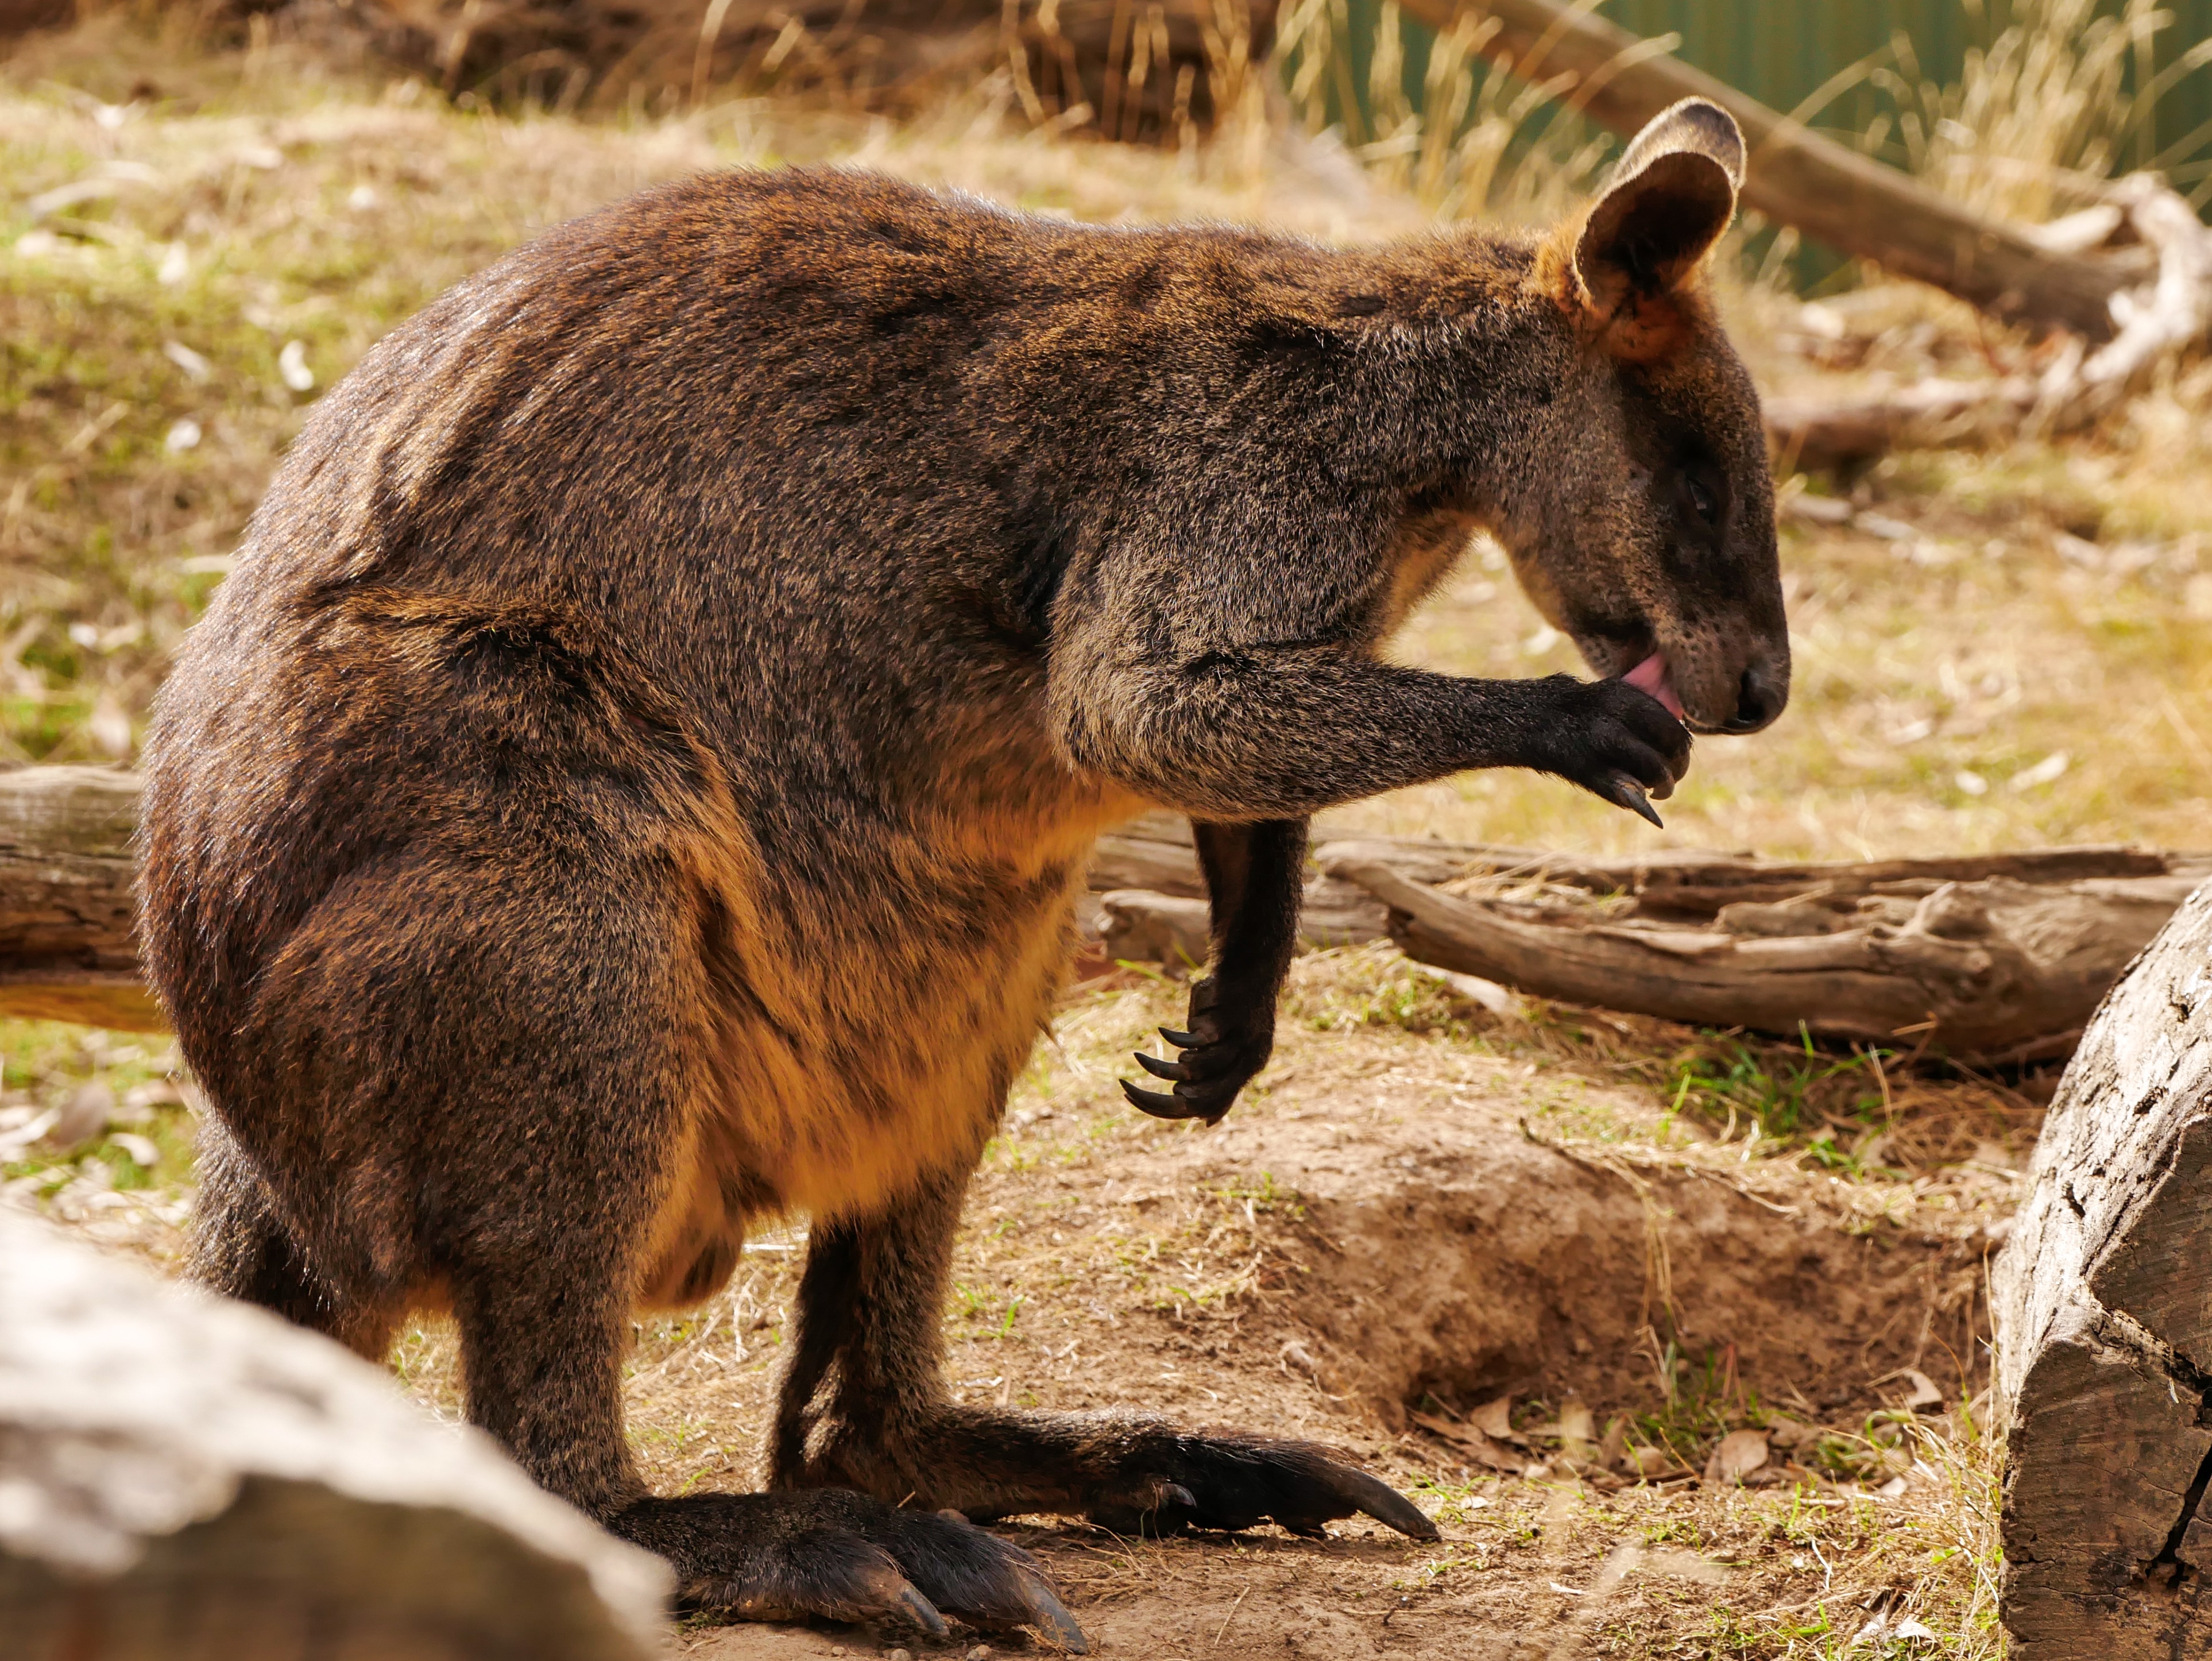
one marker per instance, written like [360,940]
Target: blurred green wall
[1781,52]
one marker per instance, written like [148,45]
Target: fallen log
[1136,925]
[187,1479]
[1796,176]
[2103,1361]
[1814,434]
[67,949]
[1999,959]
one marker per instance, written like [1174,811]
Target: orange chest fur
[843,1058]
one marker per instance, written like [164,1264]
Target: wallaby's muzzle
[1760,697]
[1722,698]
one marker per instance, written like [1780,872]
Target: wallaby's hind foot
[834,1554]
[1231,1481]
[1132,1474]
[866,1343]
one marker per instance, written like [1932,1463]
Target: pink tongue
[1650,676]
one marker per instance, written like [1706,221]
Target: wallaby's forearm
[1255,881]
[1281,733]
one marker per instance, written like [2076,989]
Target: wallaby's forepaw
[837,1556]
[1231,1482]
[1229,1042]
[1616,741]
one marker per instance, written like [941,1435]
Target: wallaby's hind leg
[543,1357]
[534,1156]
[242,1250]
[868,1343]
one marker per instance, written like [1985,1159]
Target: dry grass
[2058,99]
[1478,143]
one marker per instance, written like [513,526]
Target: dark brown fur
[638,780]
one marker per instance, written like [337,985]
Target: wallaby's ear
[1667,204]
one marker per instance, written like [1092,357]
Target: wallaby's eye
[1702,500]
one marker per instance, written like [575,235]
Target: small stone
[899,1655]
[981,1652]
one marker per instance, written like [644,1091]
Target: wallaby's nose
[1758,700]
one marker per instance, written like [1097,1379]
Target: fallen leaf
[1613,1450]
[1786,1432]
[1472,1441]
[1925,1398]
[196,366]
[2044,772]
[1500,1000]
[1495,1419]
[1578,1428]
[20,1137]
[1736,1456]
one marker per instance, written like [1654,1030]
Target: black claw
[1160,1069]
[1386,1505]
[923,1613]
[1159,1106]
[1180,1040]
[1176,1495]
[1626,792]
[1050,1616]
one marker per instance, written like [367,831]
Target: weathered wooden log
[1139,925]
[66,946]
[185,1479]
[2001,958]
[2104,1364]
[1796,177]
[1154,853]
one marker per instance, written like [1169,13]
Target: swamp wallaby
[638,780]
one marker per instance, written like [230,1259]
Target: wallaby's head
[1642,523]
